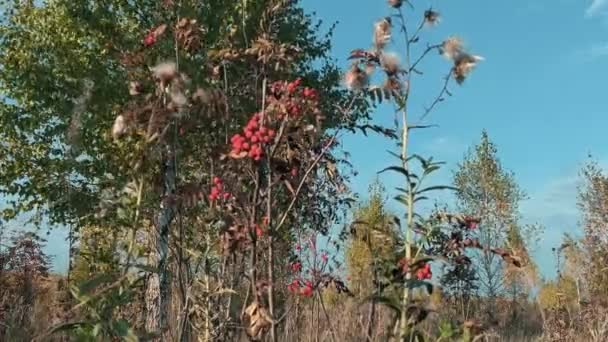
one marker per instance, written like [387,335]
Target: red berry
[266,139]
[150,39]
[271,133]
[294,171]
[254,139]
[217,180]
[297,81]
[263,130]
[296,266]
[248,134]
[226,195]
[245,146]
[291,88]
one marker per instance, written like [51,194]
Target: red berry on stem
[150,39]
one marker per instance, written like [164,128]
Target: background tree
[98,74]
[23,268]
[487,191]
[372,241]
[372,245]
[593,205]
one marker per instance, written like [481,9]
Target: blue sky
[540,93]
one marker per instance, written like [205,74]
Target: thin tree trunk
[158,286]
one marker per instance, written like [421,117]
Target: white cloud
[596,7]
[591,53]
[598,50]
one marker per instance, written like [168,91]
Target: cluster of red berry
[306,290]
[291,99]
[217,190]
[424,272]
[296,267]
[255,135]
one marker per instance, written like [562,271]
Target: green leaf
[436,188]
[420,198]
[403,200]
[400,170]
[70,326]
[123,329]
[430,169]
[97,329]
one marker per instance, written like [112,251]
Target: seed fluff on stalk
[453,49]
[431,18]
[463,66]
[390,63]
[382,33]
[355,78]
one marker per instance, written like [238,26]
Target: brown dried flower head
[165,71]
[382,33]
[395,3]
[187,34]
[390,63]
[463,66]
[393,85]
[452,48]
[431,17]
[355,78]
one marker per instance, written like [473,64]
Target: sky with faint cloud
[540,93]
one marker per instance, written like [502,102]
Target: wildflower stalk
[410,202]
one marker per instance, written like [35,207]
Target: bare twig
[428,49]
[440,98]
